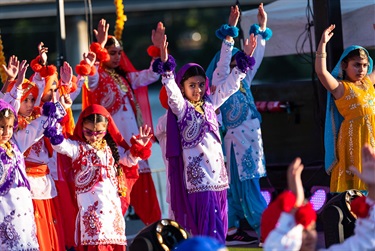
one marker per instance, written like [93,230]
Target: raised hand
[42,53]
[328,34]
[157,36]
[101,33]
[164,49]
[66,73]
[262,17]
[21,73]
[89,58]
[294,181]
[249,45]
[144,135]
[234,15]
[12,69]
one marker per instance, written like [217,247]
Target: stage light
[318,196]
[162,235]
[267,194]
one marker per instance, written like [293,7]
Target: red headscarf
[111,129]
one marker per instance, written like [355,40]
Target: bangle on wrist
[321,55]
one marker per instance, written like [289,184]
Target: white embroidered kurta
[124,118]
[17,224]
[100,216]
[204,163]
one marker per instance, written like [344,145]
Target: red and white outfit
[117,96]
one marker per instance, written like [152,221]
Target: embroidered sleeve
[142,78]
[222,69]
[175,99]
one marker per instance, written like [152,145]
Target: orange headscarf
[27,87]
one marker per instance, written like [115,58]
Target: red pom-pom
[83,68]
[137,150]
[47,71]
[153,51]
[359,207]
[95,47]
[35,65]
[101,53]
[305,215]
[286,201]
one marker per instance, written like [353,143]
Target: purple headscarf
[6,105]
[182,71]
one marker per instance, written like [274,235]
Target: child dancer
[17,226]
[50,232]
[350,117]
[115,86]
[101,158]
[243,139]
[197,174]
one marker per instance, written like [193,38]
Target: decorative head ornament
[5,105]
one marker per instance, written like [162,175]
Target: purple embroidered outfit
[196,171]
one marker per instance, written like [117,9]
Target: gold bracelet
[321,55]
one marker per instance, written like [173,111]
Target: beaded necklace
[99,145]
[117,79]
[8,149]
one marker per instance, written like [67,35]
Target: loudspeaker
[337,218]
[161,235]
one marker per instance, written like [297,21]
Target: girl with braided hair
[104,170]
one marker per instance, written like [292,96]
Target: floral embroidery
[37,147]
[91,220]
[118,225]
[8,234]
[248,163]
[195,173]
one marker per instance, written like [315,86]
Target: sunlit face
[6,129]
[49,94]
[94,131]
[27,106]
[114,55]
[356,68]
[194,88]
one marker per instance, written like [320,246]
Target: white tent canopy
[287,19]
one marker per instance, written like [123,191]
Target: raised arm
[328,81]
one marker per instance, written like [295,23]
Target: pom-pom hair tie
[161,67]
[84,69]
[101,53]
[255,29]
[359,207]
[244,62]
[44,70]
[226,30]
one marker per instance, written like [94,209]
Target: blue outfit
[243,146]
